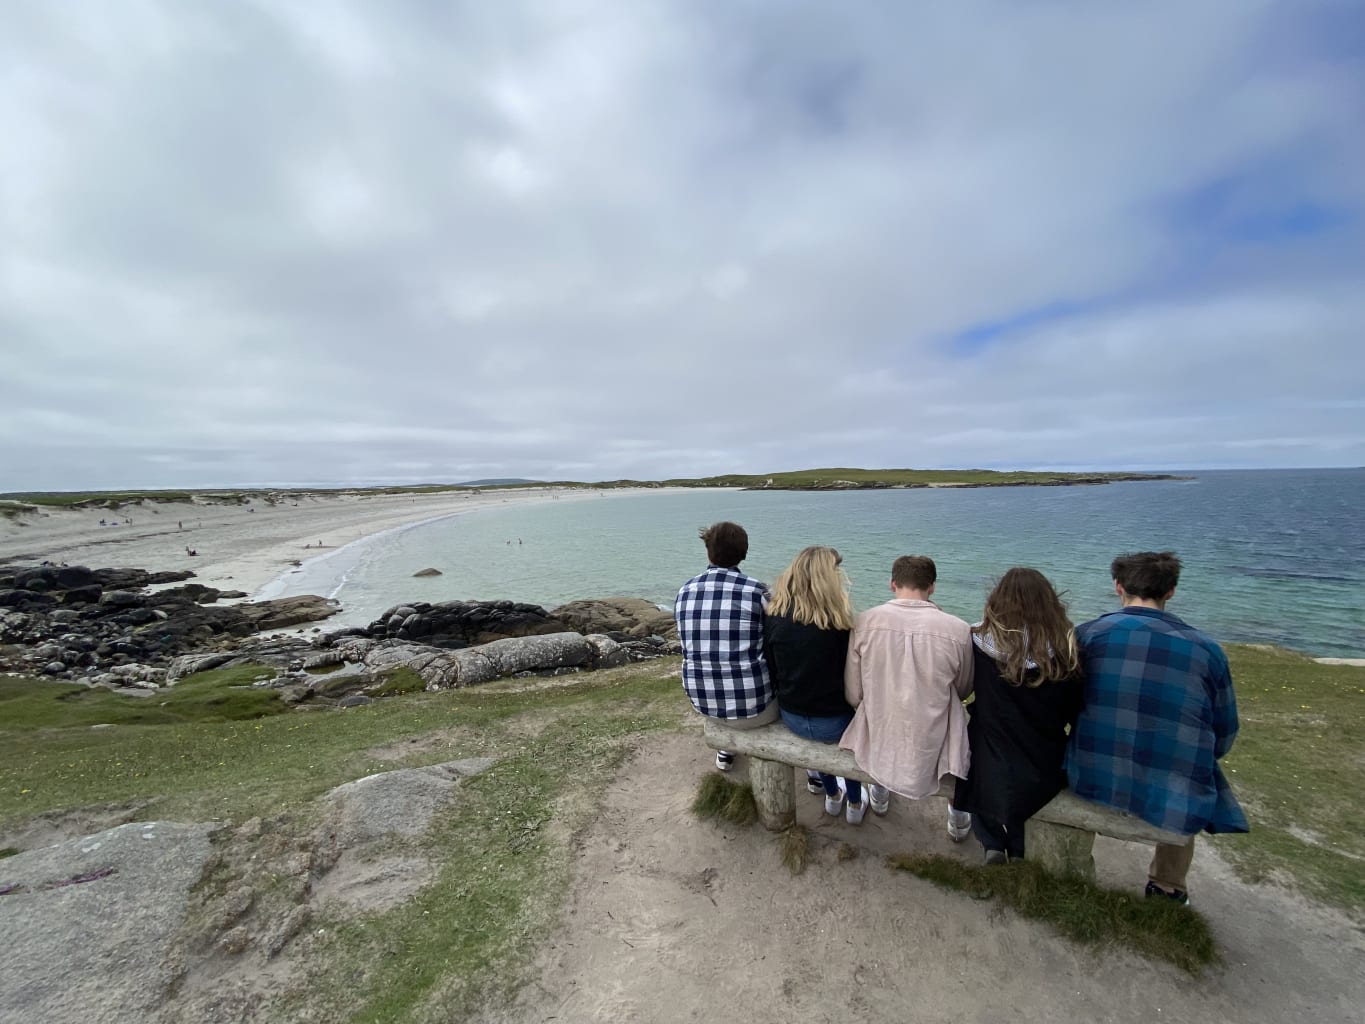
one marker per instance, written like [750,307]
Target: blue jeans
[825,729]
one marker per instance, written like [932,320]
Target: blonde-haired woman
[1029,689]
[805,639]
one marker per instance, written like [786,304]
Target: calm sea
[1271,556]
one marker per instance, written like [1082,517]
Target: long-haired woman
[1029,690]
[805,640]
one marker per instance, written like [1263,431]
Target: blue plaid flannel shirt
[1159,713]
[720,625]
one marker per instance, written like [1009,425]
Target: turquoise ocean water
[1271,556]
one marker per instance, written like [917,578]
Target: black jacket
[807,666]
[1018,739]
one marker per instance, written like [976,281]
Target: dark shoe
[724,760]
[1178,896]
[997,857]
[814,785]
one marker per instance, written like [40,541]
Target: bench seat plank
[778,743]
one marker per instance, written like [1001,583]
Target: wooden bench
[1060,837]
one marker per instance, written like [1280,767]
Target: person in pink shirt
[909,669]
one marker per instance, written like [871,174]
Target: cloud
[340,242]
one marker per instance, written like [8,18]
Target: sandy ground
[672,919]
[238,547]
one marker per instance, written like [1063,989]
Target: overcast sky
[333,242]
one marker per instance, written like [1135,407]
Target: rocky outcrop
[73,622]
[633,616]
[456,624]
[442,669]
[287,611]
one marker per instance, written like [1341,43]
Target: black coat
[806,664]
[1018,736]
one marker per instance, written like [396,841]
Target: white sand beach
[237,546]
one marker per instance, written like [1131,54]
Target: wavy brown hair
[1025,621]
[814,590]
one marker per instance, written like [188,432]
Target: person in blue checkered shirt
[720,626]
[1159,713]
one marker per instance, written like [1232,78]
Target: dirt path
[672,919]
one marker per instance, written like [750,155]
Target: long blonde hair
[814,590]
[1025,627]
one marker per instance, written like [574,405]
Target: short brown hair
[916,572]
[1150,575]
[726,544]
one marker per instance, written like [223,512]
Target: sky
[267,242]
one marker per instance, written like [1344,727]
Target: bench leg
[1060,850]
[774,788]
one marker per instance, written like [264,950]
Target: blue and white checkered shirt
[720,625]
[1159,713]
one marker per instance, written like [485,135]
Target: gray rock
[121,599]
[427,572]
[548,651]
[62,616]
[399,803]
[53,668]
[189,664]
[355,700]
[98,950]
[606,652]
[632,615]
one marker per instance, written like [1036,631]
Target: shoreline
[243,547]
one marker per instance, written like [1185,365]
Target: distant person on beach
[1159,713]
[805,640]
[909,669]
[720,626]
[1026,674]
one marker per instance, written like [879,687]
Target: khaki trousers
[1170,865]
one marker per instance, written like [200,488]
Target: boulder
[70,577]
[427,572]
[537,653]
[287,611]
[90,594]
[26,600]
[456,624]
[606,652]
[189,664]
[121,599]
[195,593]
[631,615]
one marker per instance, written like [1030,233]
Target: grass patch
[397,681]
[502,853]
[794,845]
[1080,910]
[1298,766]
[8,851]
[220,695]
[720,799]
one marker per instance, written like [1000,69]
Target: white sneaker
[959,824]
[833,804]
[813,783]
[853,813]
[724,760]
[880,799]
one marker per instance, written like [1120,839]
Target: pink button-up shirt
[909,667]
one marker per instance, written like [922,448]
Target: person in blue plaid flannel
[1159,713]
[720,625]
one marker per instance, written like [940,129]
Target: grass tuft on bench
[794,842]
[719,798]
[1080,910]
